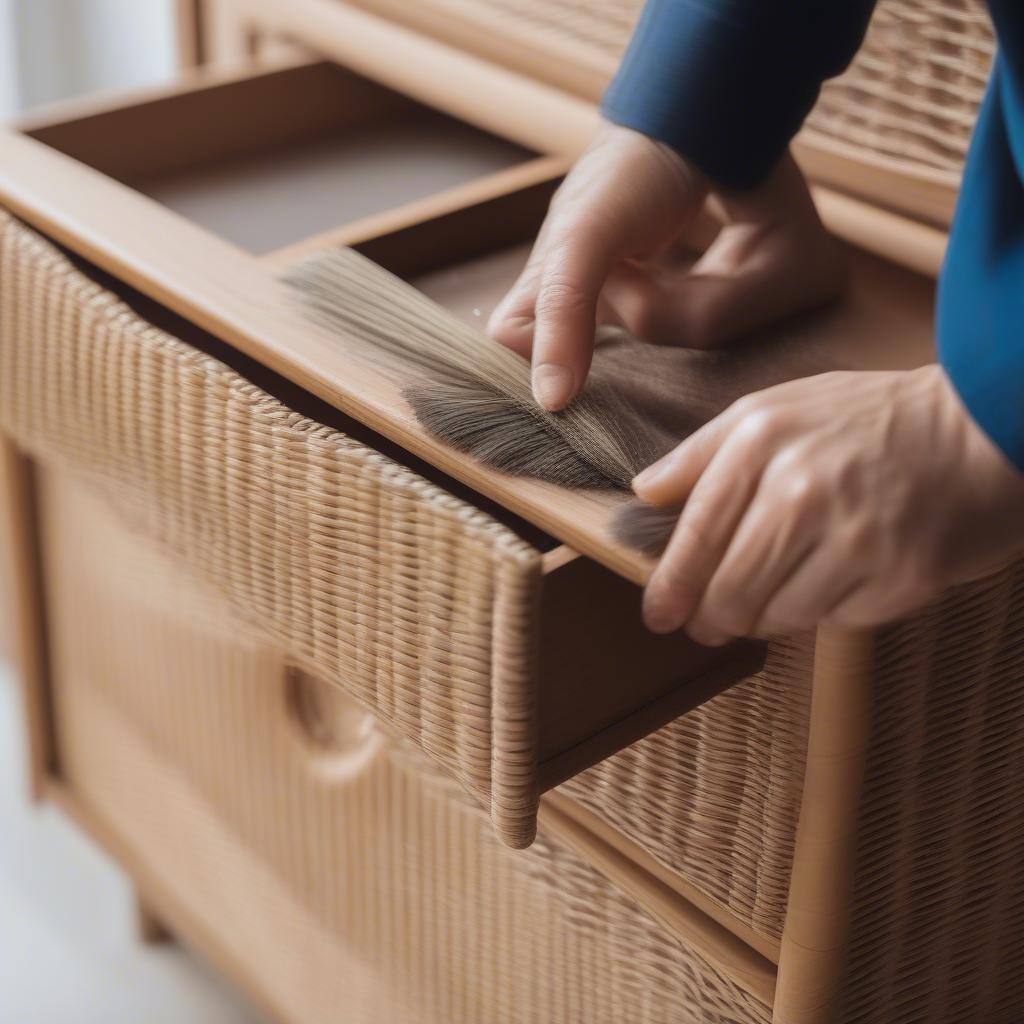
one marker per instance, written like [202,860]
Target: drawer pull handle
[329,724]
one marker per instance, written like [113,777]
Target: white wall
[8,73]
[67,47]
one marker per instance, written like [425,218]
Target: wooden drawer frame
[73,205]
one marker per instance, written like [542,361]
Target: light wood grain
[506,102]
[919,192]
[811,959]
[431,210]
[213,116]
[560,60]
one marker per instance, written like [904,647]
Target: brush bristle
[459,383]
[500,432]
[644,527]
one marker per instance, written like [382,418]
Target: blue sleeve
[981,292]
[728,83]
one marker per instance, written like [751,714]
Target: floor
[68,947]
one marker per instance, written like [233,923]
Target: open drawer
[164,404]
[166,364]
[176,369]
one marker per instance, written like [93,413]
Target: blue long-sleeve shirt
[729,82]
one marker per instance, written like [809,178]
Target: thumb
[749,277]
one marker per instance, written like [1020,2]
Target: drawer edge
[629,869]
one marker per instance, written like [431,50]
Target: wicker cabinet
[377,728]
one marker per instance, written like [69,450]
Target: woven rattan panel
[939,906]
[715,795]
[911,94]
[366,887]
[913,91]
[421,606]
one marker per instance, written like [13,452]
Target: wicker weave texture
[938,930]
[911,94]
[422,607]
[715,795]
[367,888]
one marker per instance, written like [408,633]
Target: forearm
[728,83]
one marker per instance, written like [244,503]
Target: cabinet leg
[152,931]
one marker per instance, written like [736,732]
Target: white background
[50,49]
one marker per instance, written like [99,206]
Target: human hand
[605,245]
[850,498]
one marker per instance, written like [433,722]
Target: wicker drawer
[511,661]
[435,592]
[252,800]
[464,637]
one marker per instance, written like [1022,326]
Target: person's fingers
[751,422]
[702,535]
[750,276]
[512,321]
[578,260]
[882,598]
[820,583]
[783,523]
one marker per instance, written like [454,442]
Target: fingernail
[553,386]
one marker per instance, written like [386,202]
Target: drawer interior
[466,259]
[273,158]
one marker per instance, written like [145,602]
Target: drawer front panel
[420,606]
[715,795]
[366,887]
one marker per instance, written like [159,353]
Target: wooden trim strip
[884,182]
[811,958]
[450,200]
[621,863]
[186,82]
[467,86]
[898,239]
[560,60]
